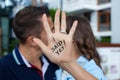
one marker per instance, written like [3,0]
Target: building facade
[102,14]
[98,12]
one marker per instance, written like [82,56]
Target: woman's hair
[27,22]
[84,38]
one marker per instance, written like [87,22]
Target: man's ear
[30,41]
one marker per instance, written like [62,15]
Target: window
[87,15]
[103,1]
[104,21]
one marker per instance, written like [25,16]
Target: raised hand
[59,48]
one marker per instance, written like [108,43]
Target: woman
[75,54]
[84,50]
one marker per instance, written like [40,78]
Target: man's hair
[27,22]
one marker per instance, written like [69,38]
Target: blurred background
[104,17]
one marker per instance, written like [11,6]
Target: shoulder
[4,69]
[5,60]
[91,67]
[95,70]
[87,64]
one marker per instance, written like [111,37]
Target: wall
[115,21]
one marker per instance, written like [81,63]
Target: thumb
[40,44]
[44,48]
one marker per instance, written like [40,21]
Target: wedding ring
[63,32]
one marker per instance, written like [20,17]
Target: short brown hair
[27,22]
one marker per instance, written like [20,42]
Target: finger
[41,45]
[72,30]
[63,24]
[46,25]
[57,21]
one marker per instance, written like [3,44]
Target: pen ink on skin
[58,47]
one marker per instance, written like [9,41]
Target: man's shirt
[14,66]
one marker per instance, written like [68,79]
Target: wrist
[72,68]
[68,66]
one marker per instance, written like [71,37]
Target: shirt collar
[25,61]
[82,61]
[19,58]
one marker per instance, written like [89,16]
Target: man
[26,62]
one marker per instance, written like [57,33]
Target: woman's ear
[30,41]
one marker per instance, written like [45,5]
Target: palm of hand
[59,48]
